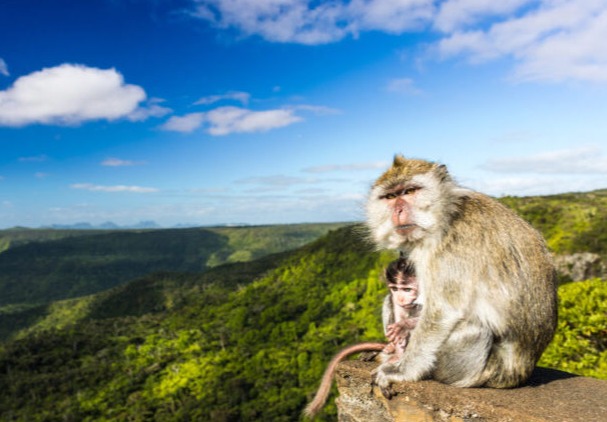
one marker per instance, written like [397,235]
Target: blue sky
[280,111]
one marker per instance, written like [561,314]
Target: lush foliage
[580,344]
[10,238]
[573,222]
[251,242]
[69,267]
[221,352]
[45,265]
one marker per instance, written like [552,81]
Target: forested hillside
[571,222]
[42,266]
[249,341]
[17,236]
[201,348]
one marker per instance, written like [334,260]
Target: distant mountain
[147,224]
[108,225]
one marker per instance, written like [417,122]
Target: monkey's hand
[397,332]
[389,349]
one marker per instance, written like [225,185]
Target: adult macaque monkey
[399,315]
[486,280]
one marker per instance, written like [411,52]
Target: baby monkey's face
[404,294]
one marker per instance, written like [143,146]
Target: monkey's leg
[419,358]
[508,365]
[463,357]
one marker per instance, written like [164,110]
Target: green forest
[39,266]
[231,326]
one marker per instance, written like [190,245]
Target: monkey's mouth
[404,228]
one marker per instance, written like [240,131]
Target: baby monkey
[400,314]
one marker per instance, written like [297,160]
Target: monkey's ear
[399,160]
[441,172]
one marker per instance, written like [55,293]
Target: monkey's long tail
[325,384]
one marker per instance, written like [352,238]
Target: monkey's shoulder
[476,207]
[481,223]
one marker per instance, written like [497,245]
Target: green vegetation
[46,265]
[580,344]
[10,238]
[199,348]
[156,293]
[243,341]
[40,272]
[251,242]
[572,222]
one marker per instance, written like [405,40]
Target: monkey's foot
[379,380]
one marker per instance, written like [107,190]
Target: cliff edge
[549,395]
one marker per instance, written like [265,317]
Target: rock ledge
[550,395]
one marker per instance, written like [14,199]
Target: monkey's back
[508,286]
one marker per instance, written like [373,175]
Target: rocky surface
[580,266]
[550,395]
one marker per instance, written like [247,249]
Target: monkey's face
[404,203]
[403,295]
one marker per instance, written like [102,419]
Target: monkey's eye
[400,192]
[410,190]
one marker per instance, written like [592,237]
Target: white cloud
[583,160]
[152,108]
[404,86]
[536,185]
[117,188]
[3,68]
[318,110]
[378,165]
[72,94]
[548,40]
[227,120]
[455,14]
[311,22]
[393,16]
[33,159]
[117,162]
[242,97]
[277,181]
[277,208]
[185,124]
[551,41]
